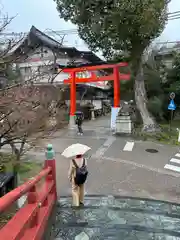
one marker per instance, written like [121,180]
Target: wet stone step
[126,203]
[110,234]
[109,217]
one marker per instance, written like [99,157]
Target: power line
[171,13]
[171,16]
[174,15]
[59,32]
[174,18]
[168,42]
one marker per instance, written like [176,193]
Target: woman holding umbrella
[77,171]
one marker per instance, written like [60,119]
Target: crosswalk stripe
[129,146]
[177,155]
[172,167]
[175,160]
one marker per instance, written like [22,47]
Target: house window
[27,70]
[85,74]
[44,69]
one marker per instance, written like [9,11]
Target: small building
[38,55]
[166,55]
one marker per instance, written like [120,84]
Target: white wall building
[39,54]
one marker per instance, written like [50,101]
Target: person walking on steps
[77,175]
[79,121]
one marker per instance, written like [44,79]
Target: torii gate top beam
[93,68]
[94,77]
[98,79]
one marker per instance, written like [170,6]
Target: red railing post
[50,162]
[32,198]
[31,220]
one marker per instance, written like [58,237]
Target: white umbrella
[75,149]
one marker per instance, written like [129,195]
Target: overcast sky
[43,15]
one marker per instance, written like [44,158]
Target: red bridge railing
[30,222]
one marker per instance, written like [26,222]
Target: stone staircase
[116,218]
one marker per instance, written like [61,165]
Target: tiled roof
[36,38]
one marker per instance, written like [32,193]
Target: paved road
[139,154]
[118,166]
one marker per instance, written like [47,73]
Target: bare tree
[26,109]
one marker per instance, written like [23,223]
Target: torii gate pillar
[116,87]
[72,100]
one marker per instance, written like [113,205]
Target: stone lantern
[124,123]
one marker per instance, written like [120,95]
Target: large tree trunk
[149,123]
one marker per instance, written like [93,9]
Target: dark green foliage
[159,87]
[112,26]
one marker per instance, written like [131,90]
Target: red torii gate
[115,76]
